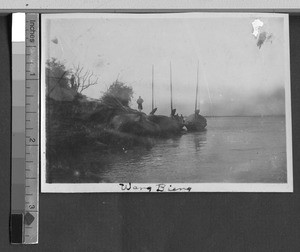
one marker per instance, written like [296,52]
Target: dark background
[157,222]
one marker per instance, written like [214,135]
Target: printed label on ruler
[32,129]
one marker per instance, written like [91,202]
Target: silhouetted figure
[181,118]
[140,103]
[173,112]
[72,81]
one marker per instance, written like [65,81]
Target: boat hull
[167,125]
[195,123]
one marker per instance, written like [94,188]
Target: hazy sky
[236,77]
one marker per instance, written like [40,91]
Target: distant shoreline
[246,116]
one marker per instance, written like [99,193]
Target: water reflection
[208,156]
[96,166]
[199,140]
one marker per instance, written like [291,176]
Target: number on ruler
[31,207]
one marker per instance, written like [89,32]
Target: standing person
[72,82]
[140,103]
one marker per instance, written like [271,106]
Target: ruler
[25,130]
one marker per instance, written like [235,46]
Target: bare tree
[81,79]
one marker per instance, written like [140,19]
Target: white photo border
[168,187]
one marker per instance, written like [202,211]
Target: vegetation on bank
[76,122]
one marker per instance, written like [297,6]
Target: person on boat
[173,111]
[197,113]
[182,118]
[140,103]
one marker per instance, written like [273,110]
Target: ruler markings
[26,209]
[18,111]
[32,125]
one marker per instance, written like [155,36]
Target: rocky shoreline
[72,124]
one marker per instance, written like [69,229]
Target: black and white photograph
[189,102]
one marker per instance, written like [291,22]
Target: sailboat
[175,117]
[173,111]
[168,125]
[196,122]
[153,108]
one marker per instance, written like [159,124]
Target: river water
[232,149]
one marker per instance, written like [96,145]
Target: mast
[197,87]
[152,87]
[171,87]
